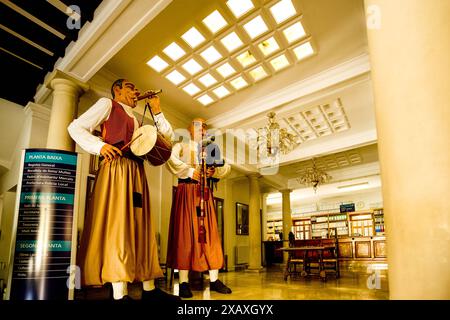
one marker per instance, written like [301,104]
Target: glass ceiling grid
[201,51]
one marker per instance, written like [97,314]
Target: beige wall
[6,227]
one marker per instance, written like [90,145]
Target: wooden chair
[296,258]
[331,257]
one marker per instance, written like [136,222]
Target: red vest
[118,129]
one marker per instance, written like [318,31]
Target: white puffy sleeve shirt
[81,129]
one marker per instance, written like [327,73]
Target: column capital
[285,191]
[58,77]
[254,175]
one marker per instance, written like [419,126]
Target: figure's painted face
[127,94]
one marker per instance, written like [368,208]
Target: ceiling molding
[325,79]
[86,56]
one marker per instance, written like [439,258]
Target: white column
[287,219]
[66,93]
[410,49]
[254,223]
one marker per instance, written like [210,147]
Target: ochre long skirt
[118,241]
[184,252]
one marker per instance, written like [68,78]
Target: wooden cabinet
[302,229]
[361,224]
[274,228]
[363,249]
[379,248]
[325,225]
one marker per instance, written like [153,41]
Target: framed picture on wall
[241,219]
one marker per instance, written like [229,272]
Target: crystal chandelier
[313,177]
[274,139]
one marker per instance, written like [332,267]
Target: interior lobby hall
[332,116]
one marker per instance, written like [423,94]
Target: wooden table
[306,249]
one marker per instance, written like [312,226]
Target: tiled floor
[356,282]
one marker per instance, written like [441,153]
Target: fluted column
[254,223]
[410,49]
[66,93]
[287,218]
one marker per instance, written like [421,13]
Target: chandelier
[313,177]
[274,139]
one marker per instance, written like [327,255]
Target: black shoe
[158,295]
[185,291]
[219,287]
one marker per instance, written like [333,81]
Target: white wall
[9,200]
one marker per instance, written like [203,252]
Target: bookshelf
[323,226]
[361,224]
[302,229]
[378,217]
[274,228]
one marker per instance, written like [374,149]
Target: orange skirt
[118,241]
[184,252]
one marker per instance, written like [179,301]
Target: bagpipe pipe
[210,157]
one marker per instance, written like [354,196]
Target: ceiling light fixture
[192,66]
[215,21]
[211,55]
[283,10]
[255,27]
[193,37]
[157,63]
[314,176]
[258,73]
[174,51]
[232,42]
[238,83]
[221,92]
[226,70]
[240,7]
[205,99]
[207,80]
[294,32]
[246,58]
[175,77]
[279,62]
[268,46]
[191,89]
[303,51]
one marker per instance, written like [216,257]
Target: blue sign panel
[44,227]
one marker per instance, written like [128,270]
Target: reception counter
[350,249]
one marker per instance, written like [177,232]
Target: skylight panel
[215,21]
[303,51]
[207,80]
[294,32]
[211,55]
[279,62]
[174,51]
[232,42]
[258,73]
[246,58]
[175,77]
[193,37]
[226,70]
[192,66]
[238,83]
[205,99]
[268,46]
[157,63]
[240,7]
[191,89]
[256,27]
[221,92]
[283,10]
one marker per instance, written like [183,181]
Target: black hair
[118,83]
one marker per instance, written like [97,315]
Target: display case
[302,229]
[378,217]
[361,224]
[274,228]
[325,225]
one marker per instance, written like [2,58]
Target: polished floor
[357,282]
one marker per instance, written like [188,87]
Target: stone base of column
[255,270]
